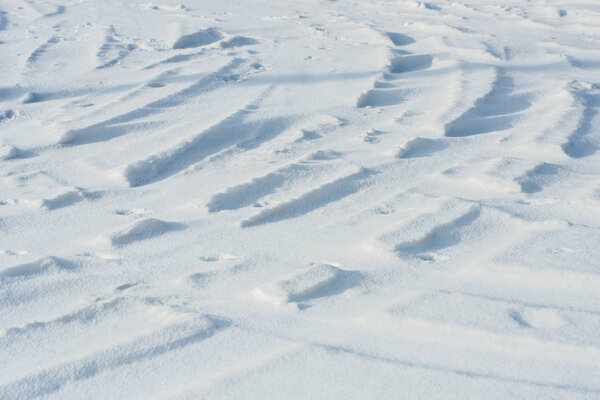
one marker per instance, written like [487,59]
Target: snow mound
[198,39]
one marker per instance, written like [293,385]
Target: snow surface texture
[303,199]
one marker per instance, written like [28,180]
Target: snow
[303,199]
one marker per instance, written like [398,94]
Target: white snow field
[308,199]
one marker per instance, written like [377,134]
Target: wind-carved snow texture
[496,111]
[388,92]
[584,140]
[439,237]
[38,267]
[299,199]
[318,281]
[8,152]
[248,193]
[534,180]
[234,130]
[144,229]
[40,51]
[421,147]
[309,201]
[112,51]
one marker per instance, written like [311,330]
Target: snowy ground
[308,199]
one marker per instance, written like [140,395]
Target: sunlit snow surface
[300,199]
